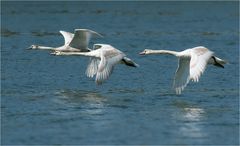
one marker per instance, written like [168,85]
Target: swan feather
[109,58]
[182,75]
[81,39]
[198,62]
[92,67]
[67,37]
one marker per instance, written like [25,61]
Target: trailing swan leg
[218,62]
[129,62]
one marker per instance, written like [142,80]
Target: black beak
[142,53]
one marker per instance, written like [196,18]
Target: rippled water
[48,100]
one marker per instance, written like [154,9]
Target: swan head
[145,52]
[32,47]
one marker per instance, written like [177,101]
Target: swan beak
[142,53]
[30,48]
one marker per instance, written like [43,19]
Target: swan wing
[106,65]
[67,36]
[81,39]
[92,67]
[182,75]
[198,62]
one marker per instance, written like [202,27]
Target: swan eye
[34,46]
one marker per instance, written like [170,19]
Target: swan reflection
[82,102]
[193,114]
[191,118]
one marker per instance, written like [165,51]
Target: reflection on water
[133,107]
[80,107]
[76,96]
[7,33]
[192,127]
[84,102]
[194,114]
[192,117]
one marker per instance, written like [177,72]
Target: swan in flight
[191,65]
[77,42]
[103,58]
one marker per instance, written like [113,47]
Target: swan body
[191,65]
[77,42]
[102,61]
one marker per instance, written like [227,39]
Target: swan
[77,42]
[191,65]
[103,58]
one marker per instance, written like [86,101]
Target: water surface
[48,99]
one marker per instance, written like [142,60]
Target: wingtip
[96,33]
[79,29]
[89,30]
[137,65]
[62,31]
[100,35]
[178,91]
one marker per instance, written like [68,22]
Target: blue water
[48,99]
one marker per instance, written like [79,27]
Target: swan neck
[164,52]
[73,53]
[45,48]
[77,53]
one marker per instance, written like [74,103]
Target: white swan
[77,42]
[102,60]
[191,65]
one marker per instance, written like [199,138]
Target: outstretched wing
[198,62]
[67,36]
[81,39]
[182,75]
[106,65]
[92,67]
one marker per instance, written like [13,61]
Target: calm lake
[48,99]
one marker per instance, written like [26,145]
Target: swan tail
[129,62]
[218,62]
